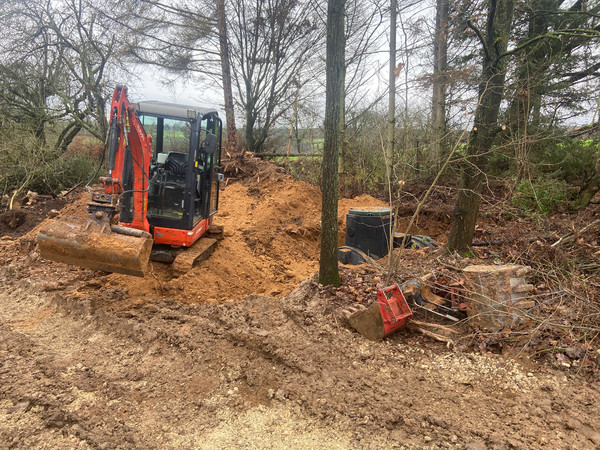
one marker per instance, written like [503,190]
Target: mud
[88,373]
[28,213]
[247,351]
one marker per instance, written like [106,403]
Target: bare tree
[271,42]
[328,262]
[54,64]
[186,41]
[226,75]
[440,66]
[391,126]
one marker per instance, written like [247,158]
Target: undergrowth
[543,196]
[26,163]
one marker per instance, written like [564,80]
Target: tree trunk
[440,66]
[531,71]
[68,134]
[328,262]
[593,185]
[294,112]
[491,88]
[342,152]
[391,125]
[226,74]
[250,120]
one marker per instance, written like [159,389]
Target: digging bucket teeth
[83,243]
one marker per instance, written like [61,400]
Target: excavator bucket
[388,314]
[83,243]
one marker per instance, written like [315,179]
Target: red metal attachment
[394,308]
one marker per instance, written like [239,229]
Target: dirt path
[89,360]
[263,373]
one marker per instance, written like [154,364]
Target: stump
[499,296]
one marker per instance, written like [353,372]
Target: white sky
[150,85]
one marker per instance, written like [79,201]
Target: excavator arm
[129,154]
[99,241]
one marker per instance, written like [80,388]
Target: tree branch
[477,31]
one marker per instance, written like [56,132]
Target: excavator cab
[183,176]
[162,187]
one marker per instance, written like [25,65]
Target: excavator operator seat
[176,164]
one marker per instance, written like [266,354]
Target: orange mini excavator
[159,195]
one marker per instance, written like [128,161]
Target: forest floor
[248,351]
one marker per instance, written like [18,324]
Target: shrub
[499,164]
[571,160]
[26,163]
[542,196]
[306,169]
[64,173]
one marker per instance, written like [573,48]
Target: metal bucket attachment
[388,314]
[83,243]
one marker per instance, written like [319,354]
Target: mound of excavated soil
[271,243]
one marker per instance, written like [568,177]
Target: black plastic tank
[368,229]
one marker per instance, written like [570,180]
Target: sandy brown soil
[242,353]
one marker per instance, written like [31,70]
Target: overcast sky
[150,85]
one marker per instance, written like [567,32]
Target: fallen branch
[570,237]
[437,337]
[433,325]
[486,243]
[448,266]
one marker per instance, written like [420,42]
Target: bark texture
[226,74]
[328,262]
[440,66]
[491,87]
[391,126]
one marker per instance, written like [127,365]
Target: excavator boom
[98,241]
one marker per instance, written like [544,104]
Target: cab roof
[172,110]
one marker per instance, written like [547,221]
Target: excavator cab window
[184,172]
[208,160]
[214,126]
[169,168]
[150,124]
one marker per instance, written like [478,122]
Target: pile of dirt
[271,243]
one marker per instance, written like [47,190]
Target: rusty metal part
[88,244]
[457,294]
[367,321]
